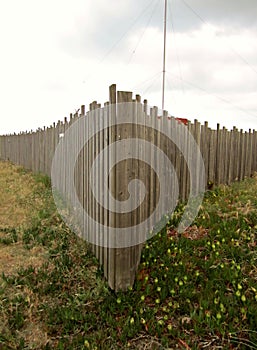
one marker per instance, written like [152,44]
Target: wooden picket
[228,156]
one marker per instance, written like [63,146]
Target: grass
[193,291]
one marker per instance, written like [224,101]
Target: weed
[43,179]
[10,235]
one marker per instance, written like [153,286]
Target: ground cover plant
[193,291]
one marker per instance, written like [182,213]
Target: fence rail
[228,156]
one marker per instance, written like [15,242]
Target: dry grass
[15,256]
[17,197]
[19,204]
[20,201]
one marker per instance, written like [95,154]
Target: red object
[182,120]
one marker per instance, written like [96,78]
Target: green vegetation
[194,291]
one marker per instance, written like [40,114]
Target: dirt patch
[192,232]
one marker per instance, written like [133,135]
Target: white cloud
[54,57]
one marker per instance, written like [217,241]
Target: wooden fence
[228,156]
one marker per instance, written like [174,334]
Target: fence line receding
[228,155]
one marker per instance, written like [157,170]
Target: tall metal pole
[164,53]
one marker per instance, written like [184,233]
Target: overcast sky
[57,55]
